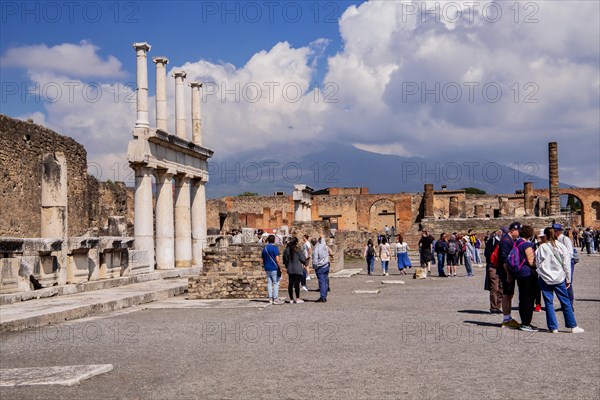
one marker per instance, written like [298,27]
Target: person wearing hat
[508,283]
[566,241]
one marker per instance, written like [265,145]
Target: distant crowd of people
[297,260]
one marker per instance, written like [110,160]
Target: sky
[434,79]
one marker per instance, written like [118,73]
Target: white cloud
[74,60]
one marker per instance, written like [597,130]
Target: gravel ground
[425,339]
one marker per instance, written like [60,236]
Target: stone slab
[366,291]
[346,273]
[37,313]
[67,375]
[393,282]
[179,303]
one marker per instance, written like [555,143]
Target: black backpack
[370,251]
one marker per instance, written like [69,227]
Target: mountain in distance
[347,166]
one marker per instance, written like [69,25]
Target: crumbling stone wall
[22,146]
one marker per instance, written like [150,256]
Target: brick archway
[587,196]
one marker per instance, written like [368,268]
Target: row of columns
[302,211]
[161,96]
[180,219]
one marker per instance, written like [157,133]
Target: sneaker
[528,328]
[511,324]
[494,311]
[538,308]
[576,330]
[298,301]
[308,278]
[554,331]
[270,300]
[321,300]
[278,301]
[305,288]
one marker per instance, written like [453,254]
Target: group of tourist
[297,261]
[588,239]
[534,263]
[449,252]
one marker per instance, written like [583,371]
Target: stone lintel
[176,143]
[115,242]
[82,243]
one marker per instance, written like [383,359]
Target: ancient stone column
[454,207]
[143,216]
[196,113]
[161,92]
[142,85]
[183,226]
[528,198]
[428,201]
[198,221]
[165,228]
[554,189]
[298,211]
[179,104]
[54,196]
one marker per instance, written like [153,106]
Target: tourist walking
[385,254]
[588,240]
[402,255]
[440,249]
[566,241]
[554,271]
[493,281]
[320,262]
[272,266]
[369,256]
[294,260]
[425,251]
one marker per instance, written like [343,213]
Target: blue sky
[433,79]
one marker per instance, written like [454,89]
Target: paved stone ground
[426,339]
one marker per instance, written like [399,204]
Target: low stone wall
[230,272]
[482,225]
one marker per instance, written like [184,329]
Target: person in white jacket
[554,270]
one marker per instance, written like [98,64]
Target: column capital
[160,60]
[170,173]
[179,74]
[194,85]
[142,46]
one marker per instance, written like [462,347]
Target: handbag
[275,262]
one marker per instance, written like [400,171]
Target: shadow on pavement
[481,323]
[474,312]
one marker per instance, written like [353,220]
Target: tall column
[198,213]
[298,211]
[161,92]
[528,198]
[428,201]
[142,85]
[179,104]
[165,235]
[196,113]
[143,216]
[183,227]
[554,189]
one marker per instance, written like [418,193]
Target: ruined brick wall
[90,203]
[22,146]
[482,225]
[264,212]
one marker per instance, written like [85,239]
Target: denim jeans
[441,258]
[370,264]
[272,284]
[570,289]
[477,256]
[548,295]
[468,265]
[323,278]
[384,266]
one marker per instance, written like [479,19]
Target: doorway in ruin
[382,213]
[572,207]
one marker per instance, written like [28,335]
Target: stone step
[41,312]
[96,285]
